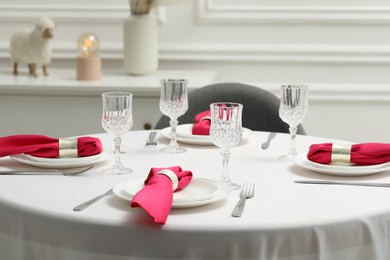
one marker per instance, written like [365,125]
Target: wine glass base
[173,150]
[233,186]
[118,170]
[287,157]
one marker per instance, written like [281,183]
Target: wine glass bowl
[117,119]
[173,103]
[226,132]
[293,110]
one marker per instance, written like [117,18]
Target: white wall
[340,48]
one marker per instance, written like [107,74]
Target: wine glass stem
[173,122]
[293,132]
[117,143]
[225,163]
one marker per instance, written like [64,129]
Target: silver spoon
[67,172]
[271,136]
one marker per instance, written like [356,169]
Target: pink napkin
[157,195]
[202,123]
[359,154]
[44,146]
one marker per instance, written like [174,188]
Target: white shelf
[63,82]
[59,105]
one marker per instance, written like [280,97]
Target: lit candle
[88,63]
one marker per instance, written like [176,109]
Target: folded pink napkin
[44,146]
[157,195]
[359,154]
[202,123]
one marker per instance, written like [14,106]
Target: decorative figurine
[32,47]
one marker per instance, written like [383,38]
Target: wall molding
[206,11]
[339,92]
[277,53]
[341,54]
[100,14]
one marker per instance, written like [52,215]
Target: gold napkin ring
[68,147]
[171,175]
[341,153]
[205,118]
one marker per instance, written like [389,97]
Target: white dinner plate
[185,131]
[198,192]
[184,135]
[339,169]
[57,163]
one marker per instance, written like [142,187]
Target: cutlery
[88,203]
[271,136]
[247,192]
[370,184]
[151,139]
[46,171]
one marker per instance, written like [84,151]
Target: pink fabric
[361,154]
[202,127]
[156,196]
[44,146]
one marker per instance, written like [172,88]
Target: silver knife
[88,203]
[369,184]
[28,172]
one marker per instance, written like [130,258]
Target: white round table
[284,220]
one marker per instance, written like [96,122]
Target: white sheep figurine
[32,47]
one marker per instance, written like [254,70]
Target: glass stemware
[173,103]
[117,119]
[293,110]
[226,132]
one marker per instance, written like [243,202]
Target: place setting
[346,160]
[174,103]
[69,156]
[199,192]
[172,187]
[341,160]
[165,189]
[74,155]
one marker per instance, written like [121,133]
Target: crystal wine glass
[293,110]
[226,132]
[173,103]
[117,119]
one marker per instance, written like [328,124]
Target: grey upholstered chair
[260,111]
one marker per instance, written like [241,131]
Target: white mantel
[59,105]
[63,82]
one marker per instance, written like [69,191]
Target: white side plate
[199,192]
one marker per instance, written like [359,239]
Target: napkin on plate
[156,196]
[202,123]
[44,146]
[358,154]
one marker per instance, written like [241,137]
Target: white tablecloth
[284,220]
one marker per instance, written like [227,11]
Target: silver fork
[151,139]
[247,192]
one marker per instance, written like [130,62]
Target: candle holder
[88,63]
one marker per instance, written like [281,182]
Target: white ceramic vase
[140,38]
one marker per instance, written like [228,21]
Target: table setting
[229,198]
